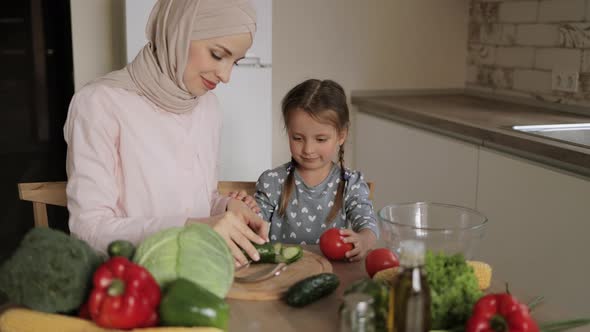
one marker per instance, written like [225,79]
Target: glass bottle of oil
[409,309]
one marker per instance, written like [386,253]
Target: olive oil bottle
[409,300]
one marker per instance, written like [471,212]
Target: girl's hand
[239,227]
[244,197]
[362,241]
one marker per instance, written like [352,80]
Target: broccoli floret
[49,271]
[454,289]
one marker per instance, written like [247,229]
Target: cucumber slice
[291,254]
[278,247]
[277,253]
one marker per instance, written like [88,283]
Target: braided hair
[324,100]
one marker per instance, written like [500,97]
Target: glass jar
[357,314]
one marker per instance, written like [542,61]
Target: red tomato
[332,246]
[380,259]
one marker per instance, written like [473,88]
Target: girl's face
[210,61]
[313,144]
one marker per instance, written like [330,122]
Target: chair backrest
[54,193]
[41,194]
[225,187]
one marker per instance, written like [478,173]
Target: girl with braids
[306,196]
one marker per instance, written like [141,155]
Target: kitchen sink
[574,133]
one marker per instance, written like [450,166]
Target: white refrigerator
[246,146]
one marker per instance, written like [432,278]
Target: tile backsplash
[515,45]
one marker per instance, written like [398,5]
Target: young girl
[311,193]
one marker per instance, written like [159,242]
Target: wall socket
[564,80]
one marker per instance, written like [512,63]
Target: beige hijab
[157,70]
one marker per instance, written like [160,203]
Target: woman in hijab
[143,141]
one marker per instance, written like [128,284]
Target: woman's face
[210,61]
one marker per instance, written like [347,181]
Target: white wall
[137,13]
[98,38]
[368,44]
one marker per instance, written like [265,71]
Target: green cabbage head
[194,252]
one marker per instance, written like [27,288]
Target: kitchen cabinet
[409,164]
[539,217]
[539,223]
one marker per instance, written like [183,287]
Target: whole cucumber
[311,289]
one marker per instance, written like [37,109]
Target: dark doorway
[36,85]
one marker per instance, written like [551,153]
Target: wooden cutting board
[273,288]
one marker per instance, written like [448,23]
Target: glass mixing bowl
[442,227]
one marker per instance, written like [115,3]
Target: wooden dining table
[275,315]
[322,315]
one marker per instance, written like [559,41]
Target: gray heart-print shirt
[308,208]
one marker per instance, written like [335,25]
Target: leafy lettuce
[453,287]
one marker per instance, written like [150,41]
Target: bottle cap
[411,253]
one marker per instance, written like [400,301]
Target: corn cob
[482,271]
[25,320]
[387,275]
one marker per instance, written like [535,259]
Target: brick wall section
[514,45]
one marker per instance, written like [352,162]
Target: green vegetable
[187,304]
[268,252]
[121,248]
[277,253]
[277,247]
[194,252]
[291,254]
[453,287]
[50,271]
[311,289]
[379,291]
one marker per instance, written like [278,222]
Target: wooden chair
[54,193]
[41,194]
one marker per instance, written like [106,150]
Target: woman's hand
[244,197]
[239,227]
[362,241]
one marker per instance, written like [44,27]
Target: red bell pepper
[500,312]
[125,295]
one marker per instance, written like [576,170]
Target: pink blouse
[134,169]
